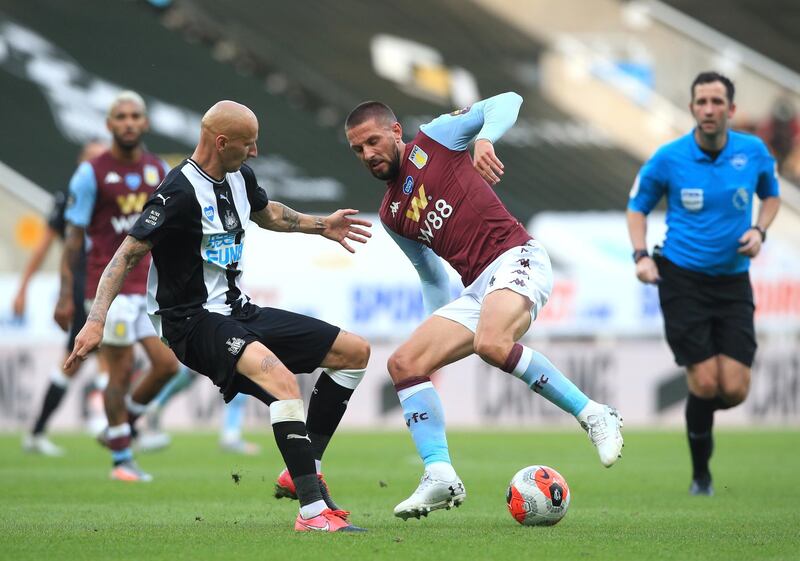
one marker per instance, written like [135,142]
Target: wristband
[761,231]
[640,254]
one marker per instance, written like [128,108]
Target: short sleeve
[167,210]
[82,195]
[55,220]
[256,194]
[768,185]
[649,186]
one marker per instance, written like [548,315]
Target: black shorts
[79,301]
[706,315]
[211,343]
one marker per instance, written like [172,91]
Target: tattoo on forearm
[291,217]
[319,223]
[130,252]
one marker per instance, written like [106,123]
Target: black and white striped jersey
[197,225]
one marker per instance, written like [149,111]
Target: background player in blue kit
[709,178]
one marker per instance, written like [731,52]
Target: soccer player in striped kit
[194,226]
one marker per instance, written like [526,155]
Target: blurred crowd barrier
[601,326]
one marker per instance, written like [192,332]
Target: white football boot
[40,444]
[603,423]
[436,490]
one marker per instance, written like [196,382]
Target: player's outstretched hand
[485,161]
[87,340]
[750,243]
[19,304]
[340,227]
[647,271]
[64,312]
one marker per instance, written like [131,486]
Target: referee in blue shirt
[709,178]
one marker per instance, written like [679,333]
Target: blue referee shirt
[709,202]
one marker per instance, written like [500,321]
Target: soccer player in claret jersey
[107,194]
[195,226]
[439,202]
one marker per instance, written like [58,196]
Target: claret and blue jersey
[709,201]
[439,204]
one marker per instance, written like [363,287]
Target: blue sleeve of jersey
[649,186]
[768,185]
[82,194]
[489,119]
[431,271]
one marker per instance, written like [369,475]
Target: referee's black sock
[295,447]
[328,404]
[52,399]
[699,425]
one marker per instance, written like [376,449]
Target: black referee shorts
[211,343]
[706,315]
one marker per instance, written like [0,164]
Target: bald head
[229,118]
[228,135]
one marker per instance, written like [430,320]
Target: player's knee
[359,354]
[166,369]
[704,387]
[734,394]
[284,386]
[401,366]
[492,351]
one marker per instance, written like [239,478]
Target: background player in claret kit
[438,202]
[107,194]
[36,441]
[195,228]
[709,177]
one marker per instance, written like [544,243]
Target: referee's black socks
[699,425]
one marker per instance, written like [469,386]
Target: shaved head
[228,135]
[229,118]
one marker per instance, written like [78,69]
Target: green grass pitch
[66,508]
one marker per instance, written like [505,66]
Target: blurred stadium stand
[769,27]
[550,155]
[554,162]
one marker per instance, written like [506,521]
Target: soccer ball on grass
[538,496]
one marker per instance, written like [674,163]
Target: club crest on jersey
[418,157]
[229,220]
[408,186]
[150,173]
[112,177]
[739,161]
[395,208]
[209,212]
[235,344]
[133,180]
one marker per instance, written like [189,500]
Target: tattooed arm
[73,245]
[338,226]
[129,253]
[280,218]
